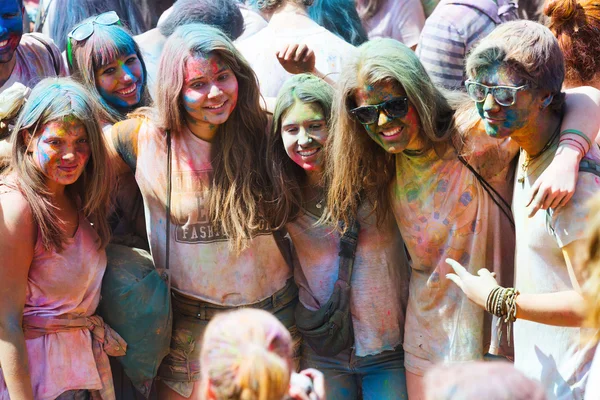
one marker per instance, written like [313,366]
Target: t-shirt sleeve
[408,22]
[55,58]
[570,222]
[124,137]
[442,50]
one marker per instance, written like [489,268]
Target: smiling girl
[296,147]
[104,57]
[54,203]
[198,158]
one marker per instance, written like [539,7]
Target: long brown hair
[354,162]
[240,187]
[51,100]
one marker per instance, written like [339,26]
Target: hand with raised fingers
[476,287]
[297,58]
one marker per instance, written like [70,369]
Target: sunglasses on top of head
[396,107]
[503,95]
[85,30]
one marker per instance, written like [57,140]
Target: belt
[205,311]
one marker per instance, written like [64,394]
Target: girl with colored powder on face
[296,151]
[198,158]
[396,137]
[54,203]
[108,62]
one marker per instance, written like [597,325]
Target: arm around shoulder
[18,233]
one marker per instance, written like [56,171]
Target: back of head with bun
[246,355]
[576,25]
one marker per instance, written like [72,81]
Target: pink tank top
[63,283]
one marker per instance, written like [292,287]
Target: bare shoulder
[16,215]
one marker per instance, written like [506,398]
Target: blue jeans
[379,377]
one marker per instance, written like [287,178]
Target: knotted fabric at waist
[105,342]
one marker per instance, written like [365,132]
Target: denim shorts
[181,367]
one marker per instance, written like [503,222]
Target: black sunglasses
[393,108]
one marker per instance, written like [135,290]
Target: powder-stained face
[394,135]
[11,28]
[120,82]
[210,90]
[502,121]
[61,151]
[304,133]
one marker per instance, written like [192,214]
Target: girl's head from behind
[246,355]
[57,143]
[202,76]
[481,380]
[576,25]
[109,63]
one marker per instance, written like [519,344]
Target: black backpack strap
[587,165]
[348,243]
[495,196]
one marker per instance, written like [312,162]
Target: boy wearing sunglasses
[516,75]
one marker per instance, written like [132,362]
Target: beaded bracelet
[578,133]
[575,143]
[501,302]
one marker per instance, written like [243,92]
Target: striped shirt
[453,28]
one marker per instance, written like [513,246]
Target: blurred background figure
[450,32]
[481,380]
[58,24]
[576,25]
[341,18]
[400,20]
[290,23]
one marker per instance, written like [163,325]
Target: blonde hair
[590,266]
[354,162]
[53,100]
[247,355]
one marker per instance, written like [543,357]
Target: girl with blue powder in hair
[54,204]
[103,56]
[379,279]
